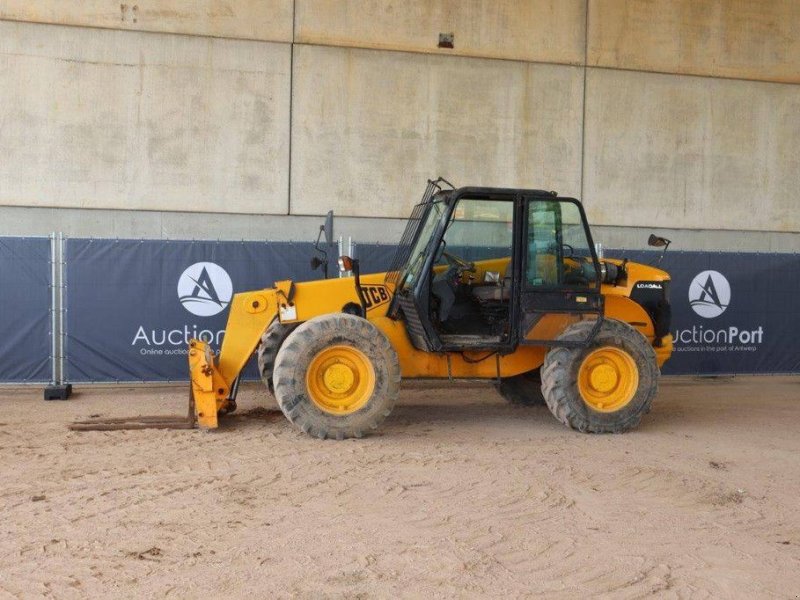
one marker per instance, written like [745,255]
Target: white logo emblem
[205,289]
[709,294]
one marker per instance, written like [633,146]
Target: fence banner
[25,336]
[731,312]
[132,306]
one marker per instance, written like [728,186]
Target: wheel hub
[603,378]
[608,379]
[340,379]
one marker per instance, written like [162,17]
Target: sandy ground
[459,494]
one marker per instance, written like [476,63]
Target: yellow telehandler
[489,283]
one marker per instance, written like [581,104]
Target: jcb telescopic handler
[490,283]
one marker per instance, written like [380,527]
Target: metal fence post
[53,310]
[62,333]
[58,389]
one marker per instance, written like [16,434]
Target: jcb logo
[375,295]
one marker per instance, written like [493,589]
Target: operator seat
[496,293]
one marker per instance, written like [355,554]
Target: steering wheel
[567,251]
[460,264]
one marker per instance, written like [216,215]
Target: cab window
[558,251]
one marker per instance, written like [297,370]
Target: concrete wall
[691,151]
[366,140]
[111,119]
[751,39]
[687,123]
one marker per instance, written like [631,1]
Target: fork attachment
[204,401]
[142,422]
[214,381]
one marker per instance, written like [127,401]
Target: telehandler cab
[488,283]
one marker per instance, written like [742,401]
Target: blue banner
[25,336]
[134,305]
[733,313]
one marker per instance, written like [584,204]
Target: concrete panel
[691,152]
[267,20]
[110,119]
[370,127]
[536,30]
[757,39]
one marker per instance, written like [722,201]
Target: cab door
[560,274]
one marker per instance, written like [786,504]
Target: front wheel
[606,387]
[336,376]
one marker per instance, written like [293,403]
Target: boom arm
[250,314]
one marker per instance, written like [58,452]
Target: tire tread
[559,378]
[292,361]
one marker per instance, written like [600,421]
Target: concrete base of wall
[126,224]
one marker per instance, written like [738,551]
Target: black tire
[271,341]
[300,349]
[560,378]
[523,390]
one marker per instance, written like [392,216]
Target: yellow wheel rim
[608,379]
[340,380]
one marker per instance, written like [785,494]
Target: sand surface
[459,494]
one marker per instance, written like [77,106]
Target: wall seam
[527,61]
[234,38]
[697,75]
[583,106]
[291,113]
[585,63]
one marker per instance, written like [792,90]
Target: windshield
[416,259]
[479,229]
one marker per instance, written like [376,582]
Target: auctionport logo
[709,294]
[205,289]
[709,297]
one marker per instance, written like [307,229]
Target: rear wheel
[606,387]
[336,376]
[271,341]
[525,389]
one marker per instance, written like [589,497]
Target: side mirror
[328,228]
[657,242]
[316,263]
